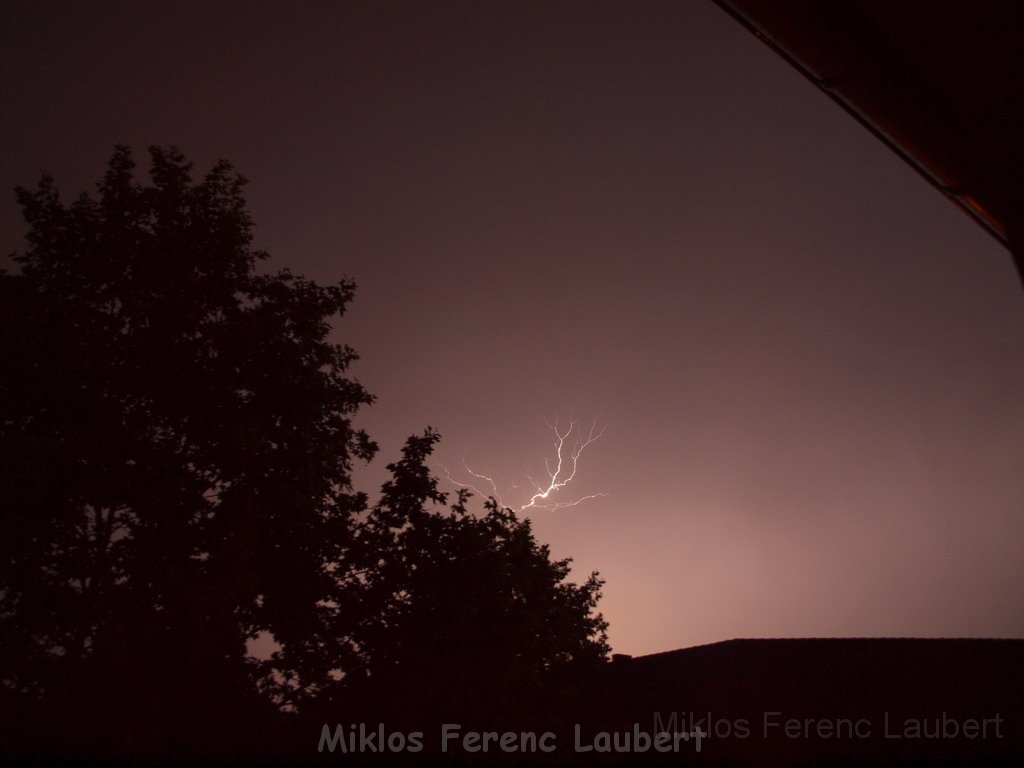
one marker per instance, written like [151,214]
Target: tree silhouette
[468,616]
[176,443]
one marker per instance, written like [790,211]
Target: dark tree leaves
[176,444]
[176,434]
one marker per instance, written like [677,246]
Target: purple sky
[811,363]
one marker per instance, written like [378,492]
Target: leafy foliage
[177,445]
[176,431]
[465,608]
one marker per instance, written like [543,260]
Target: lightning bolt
[565,466]
[560,470]
[470,487]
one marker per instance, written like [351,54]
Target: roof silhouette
[882,681]
[935,81]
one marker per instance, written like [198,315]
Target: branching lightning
[560,470]
[565,467]
[470,487]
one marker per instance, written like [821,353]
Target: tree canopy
[177,443]
[465,608]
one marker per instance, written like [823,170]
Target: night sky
[810,364]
